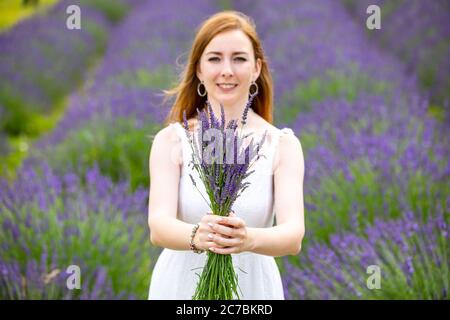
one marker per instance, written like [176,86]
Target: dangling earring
[198,89]
[256,90]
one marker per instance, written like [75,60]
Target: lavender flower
[224,182]
[338,270]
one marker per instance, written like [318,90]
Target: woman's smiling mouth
[226,87]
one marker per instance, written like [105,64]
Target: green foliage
[13,11]
[341,204]
[414,265]
[121,150]
[332,85]
[23,117]
[113,10]
[94,240]
[143,78]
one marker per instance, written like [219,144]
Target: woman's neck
[233,113]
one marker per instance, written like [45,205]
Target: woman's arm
[286,237]
[164,165]
[165,229]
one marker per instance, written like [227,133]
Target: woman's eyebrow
[220,53]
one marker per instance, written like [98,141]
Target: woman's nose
[227,69]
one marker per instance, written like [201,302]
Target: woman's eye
[239,58]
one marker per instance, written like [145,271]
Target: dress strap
[181,133]
[287,131]
[179,129]
[281,132]
[276,141]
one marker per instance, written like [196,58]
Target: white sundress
[176,272]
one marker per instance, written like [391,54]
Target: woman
[226,64]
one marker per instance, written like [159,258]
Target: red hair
[187,98]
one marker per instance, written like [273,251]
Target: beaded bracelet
[191,242]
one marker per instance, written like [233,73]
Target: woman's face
[228,59]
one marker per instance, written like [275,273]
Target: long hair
[187,98]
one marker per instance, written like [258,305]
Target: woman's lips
[226,90]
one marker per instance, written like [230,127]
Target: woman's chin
[226,98]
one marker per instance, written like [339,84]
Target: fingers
[219,233]
[205,243]
[226,231]
[224,241]
[226,226]
[212,244]
[201,239]
[232,221]
[223,250]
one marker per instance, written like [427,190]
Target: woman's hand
[222,235]
[229,235]
[203,236]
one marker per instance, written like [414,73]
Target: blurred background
[79,110]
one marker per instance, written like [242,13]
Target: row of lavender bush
[317,51]
[71,213]
[42,61]
[51,222]
[372,149]
[112,121]
[376,162]
[417,32]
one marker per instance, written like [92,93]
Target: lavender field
[79,110]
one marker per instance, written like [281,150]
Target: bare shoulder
[167,144]
[289,152]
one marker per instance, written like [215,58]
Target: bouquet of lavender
[222,165]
